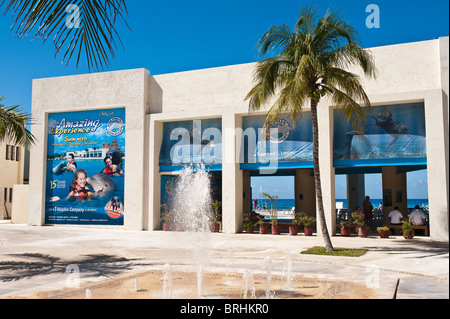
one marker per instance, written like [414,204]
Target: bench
[425,228]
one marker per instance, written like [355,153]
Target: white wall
[407,73]
[128,89]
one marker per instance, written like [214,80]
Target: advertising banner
[86,168]
[392,132]
[284,143]
[192,142]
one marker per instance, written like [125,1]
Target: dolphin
[60,169]
[103,181]
[359,146]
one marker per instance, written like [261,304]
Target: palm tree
[13,125]
[80,27]
[309,64]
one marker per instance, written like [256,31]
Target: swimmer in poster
[86,168]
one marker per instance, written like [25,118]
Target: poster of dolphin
[93,193]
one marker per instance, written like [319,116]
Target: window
[8,152]
[5,194]
[10,195]
[12,153]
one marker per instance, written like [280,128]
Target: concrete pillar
[154,179]
[394,192]
[305,194]
[232,176]
[437,163]
[247,195]
[327,171]
[355,190]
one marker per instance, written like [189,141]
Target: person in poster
[85,173]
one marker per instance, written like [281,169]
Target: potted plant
[165,218]
[273,210]
[346,230]
[249,224]
[263,228]
[384,232]
[215,217]
[293,230]
[407,228]
[363,228]
[308,223]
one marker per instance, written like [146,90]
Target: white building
[409,74]
[12,159]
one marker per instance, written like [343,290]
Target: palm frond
[13,125]
[95,37]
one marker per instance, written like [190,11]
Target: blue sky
[179,35]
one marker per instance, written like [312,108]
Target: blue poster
[86,168]
[284,143]
[392,132]
[192,142]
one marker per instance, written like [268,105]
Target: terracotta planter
[363,232]
[384,233]
[215,228]
[276,230]
[410,235]
[249,230]
[346,232]
[308,231]
[293,230]
[263,229]
[166,227]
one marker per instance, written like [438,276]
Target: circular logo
[115,126]
[169,187]
[114,208]
[279,131]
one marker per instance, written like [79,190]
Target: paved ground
[38,260]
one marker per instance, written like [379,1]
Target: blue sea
[286,204]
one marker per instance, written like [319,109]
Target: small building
[202,114]
[12,172]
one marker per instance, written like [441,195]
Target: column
[232,176]
[327,171]
[355,190]
[394,192]
[436,113]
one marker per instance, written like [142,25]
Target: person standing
[368,209]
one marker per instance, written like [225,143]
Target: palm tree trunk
[318,185]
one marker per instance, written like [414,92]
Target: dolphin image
[60,169]
[394,128]
[103,181]
[360,147]
[55,199]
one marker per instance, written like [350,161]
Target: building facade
[164,122]
[12,159]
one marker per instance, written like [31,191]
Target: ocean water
[286,204]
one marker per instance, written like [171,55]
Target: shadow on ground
[26,266]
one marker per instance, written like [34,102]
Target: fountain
[267,266]
[191,206]
[288,270]
[230,262]
[135,285]
[191,201]
[248,286]
[88,294]
[167,281]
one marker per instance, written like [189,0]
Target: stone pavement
[40,259]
